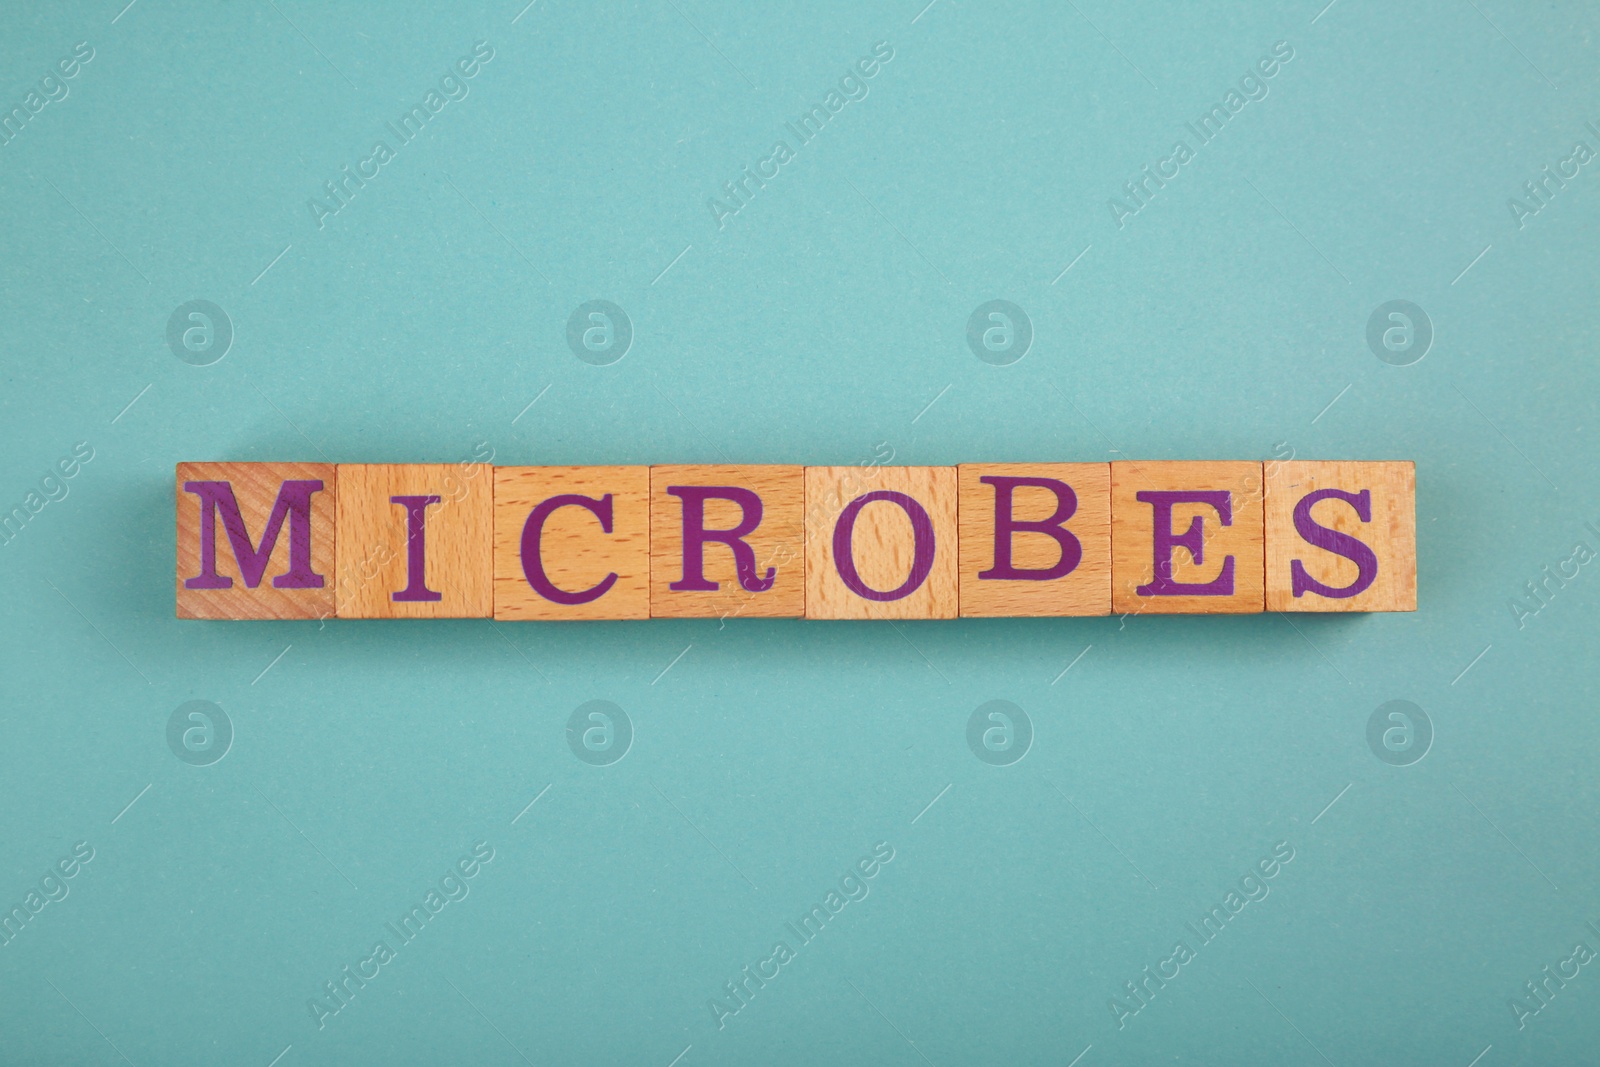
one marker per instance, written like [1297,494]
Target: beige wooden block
[414,541]
[1035,539]
[881,543]
[727,541]
[1341,536]
[572,543]
[1186,537]
[256,540]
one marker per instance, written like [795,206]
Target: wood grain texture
[375,547]
[1084,590]
[1391,534]
[255,488]
[576,553]
[778,542]
[1133,548]
[882,543]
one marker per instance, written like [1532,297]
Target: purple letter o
[921,555]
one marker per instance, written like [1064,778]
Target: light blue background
[816,326]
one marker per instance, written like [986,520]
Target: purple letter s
[1340,544]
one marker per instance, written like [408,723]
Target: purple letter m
[294,502]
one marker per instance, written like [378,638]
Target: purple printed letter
[695,536]
[1005,526]
[1192,539]
[921,553]
[416,549]
[533,565]
[293,502]
[1341,544]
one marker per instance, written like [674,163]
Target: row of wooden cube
[302,540]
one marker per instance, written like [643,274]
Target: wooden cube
[1035,539]
[881,543]
[256,540]
[572,543]
[415,541]
[1186,538]
[727,541]
[1341,536]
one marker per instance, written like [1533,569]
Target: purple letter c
[533,563]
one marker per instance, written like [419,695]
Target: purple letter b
[1005,526]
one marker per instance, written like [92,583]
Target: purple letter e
[1192,539]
